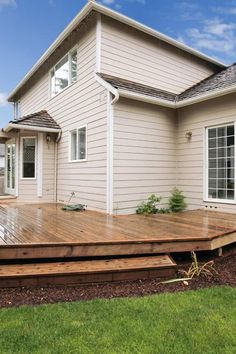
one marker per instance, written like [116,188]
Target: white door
[10,168]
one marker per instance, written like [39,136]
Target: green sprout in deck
[177,201]
[149,207]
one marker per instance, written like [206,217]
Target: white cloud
[108,2]
[118,3]
[3,99]
[7,3]
[225,10]
[213,35]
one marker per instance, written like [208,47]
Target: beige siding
[82,103]
[135,56]
[144,153]
[27,190]
[48,165]
[191,154]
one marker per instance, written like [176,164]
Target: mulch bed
[225,267]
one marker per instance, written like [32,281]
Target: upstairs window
[78,144]
[64,73]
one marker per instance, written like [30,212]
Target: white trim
[147,99]
[98,43]
[40,166]
[86,143]
[206,96]
[17,164]
[205,164]
[174,104]
[92,5]
[110,138]
[21,158]
[70,83]
[108,87]
[30,127]
[10,190]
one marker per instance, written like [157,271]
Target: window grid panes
[64,73]
[78,144]
[28,157]
[221,172]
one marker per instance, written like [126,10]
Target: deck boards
[28,225]
[86,267]
[77,272]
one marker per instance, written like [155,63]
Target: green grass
[203,322]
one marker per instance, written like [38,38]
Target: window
[28,157]
[64,73]
[78,142]
[221,168]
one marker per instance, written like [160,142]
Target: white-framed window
[28,157]
[78,144]
[64,73]
[220,163]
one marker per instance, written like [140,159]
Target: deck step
[86,271]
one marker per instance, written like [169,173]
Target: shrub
[177,201]
[149,207]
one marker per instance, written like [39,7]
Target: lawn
[202,321]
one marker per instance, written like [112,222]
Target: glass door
[10,168]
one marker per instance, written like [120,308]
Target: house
[115,111]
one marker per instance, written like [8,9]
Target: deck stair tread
[86,266]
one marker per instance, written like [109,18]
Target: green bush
[177,201]
[149,207]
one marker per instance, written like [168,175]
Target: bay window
[221,163]
[64,73]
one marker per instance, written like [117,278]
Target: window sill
[66,88]
[28,179]
[219,201]
[76,161]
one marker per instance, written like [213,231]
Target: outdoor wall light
[48,138]
[188,135]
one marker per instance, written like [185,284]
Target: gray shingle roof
[138,88]
[39,119]
[221,80]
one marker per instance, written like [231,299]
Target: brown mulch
[225,267]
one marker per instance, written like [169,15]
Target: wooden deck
[46,231]
[86,271]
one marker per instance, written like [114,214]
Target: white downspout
[56,165]
[112,98]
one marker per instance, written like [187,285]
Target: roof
[94,6]
[221,80]
[138,88]
[39,119]
[216,85]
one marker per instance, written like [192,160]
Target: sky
[28,27]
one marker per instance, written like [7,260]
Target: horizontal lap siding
[82,103]
[135,56]
[190,158]
[48,169]
[144,154]
[28,188]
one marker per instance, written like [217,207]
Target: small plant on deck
[149,207]
[177,201]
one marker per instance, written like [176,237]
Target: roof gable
[83,14]
[39,119]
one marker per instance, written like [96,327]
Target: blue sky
[28,27]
